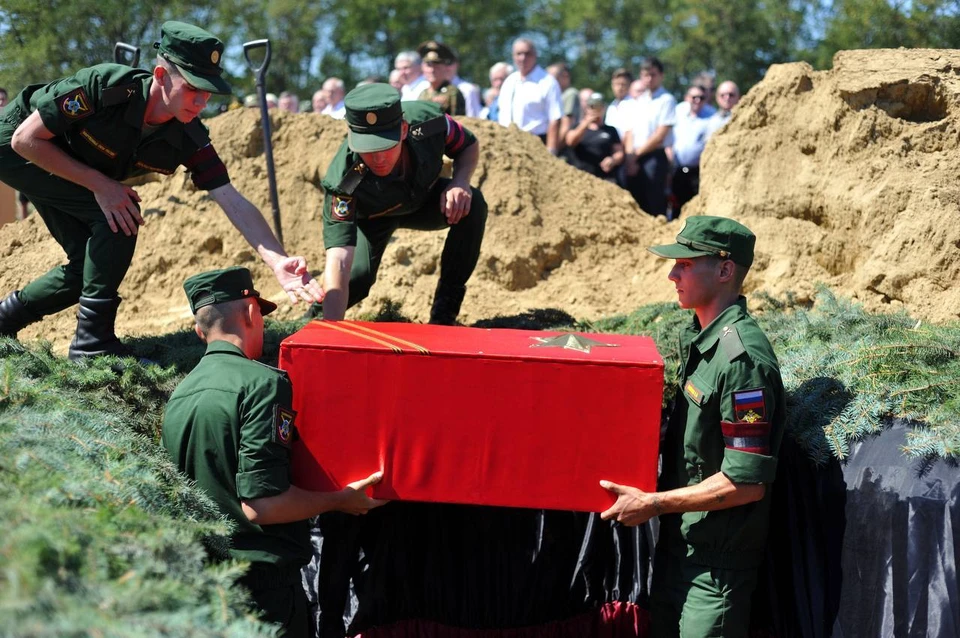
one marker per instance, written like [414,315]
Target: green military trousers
[461,250]
[97,258]
[696,601]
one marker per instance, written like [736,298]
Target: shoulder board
[282,373]
[731,343]
[197,132]
[353,178]
[119,94]
[435,126]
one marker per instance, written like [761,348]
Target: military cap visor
[374,115]
[713,236]
[196,53]
[221,286]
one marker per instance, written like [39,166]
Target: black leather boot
[95,330]
[14,316]
[446,304]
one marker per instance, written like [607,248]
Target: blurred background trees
[354,39]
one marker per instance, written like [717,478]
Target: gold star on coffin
[571,342]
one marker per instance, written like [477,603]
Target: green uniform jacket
[97,118]
[455,104]
[354,193]
[229,426]
[729,417]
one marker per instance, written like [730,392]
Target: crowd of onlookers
[641,139]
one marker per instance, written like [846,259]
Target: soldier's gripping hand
[355,499]
[633,506]
[119,205]
[455,202]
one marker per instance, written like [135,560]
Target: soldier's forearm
[716,492]
[51,158]
[336,282]
[247,219]
[466,164]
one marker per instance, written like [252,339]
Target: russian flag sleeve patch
[750,430]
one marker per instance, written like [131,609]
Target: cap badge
[215,57]
[371,118]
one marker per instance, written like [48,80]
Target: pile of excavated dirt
[848,177]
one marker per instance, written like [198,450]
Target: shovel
[260,72]
[128,54]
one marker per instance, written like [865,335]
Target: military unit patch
[749,407]
[75,105]
[341,209]
[284,424]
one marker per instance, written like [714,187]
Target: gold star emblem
[371,118]
[215,57]
[571,342]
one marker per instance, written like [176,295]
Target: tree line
[353,39]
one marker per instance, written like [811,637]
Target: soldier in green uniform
[229,426]
[69,144]
[437,60]
[719,453]
[385,176]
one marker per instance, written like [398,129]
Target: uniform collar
[172,132]
[706,338]
[223,347]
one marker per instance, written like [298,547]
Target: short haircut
[169,66]
[559,67]
[335,83]
[528,42]
[622,73]
[501,66]
[3,90]
[651,63]
[221,316]
[705,78]
[407,56]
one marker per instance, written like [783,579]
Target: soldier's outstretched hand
[296,280]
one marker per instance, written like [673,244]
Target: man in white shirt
[728,94]
[409,65]
[470,91]
[530,97]
[334,90]
[706,81]
[690,137]
[618,108]
[653,117]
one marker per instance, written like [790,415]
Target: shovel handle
[261,70]
[120,51]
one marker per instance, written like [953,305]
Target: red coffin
[477,416]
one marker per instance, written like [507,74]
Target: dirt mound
[850,177]
[845,175]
